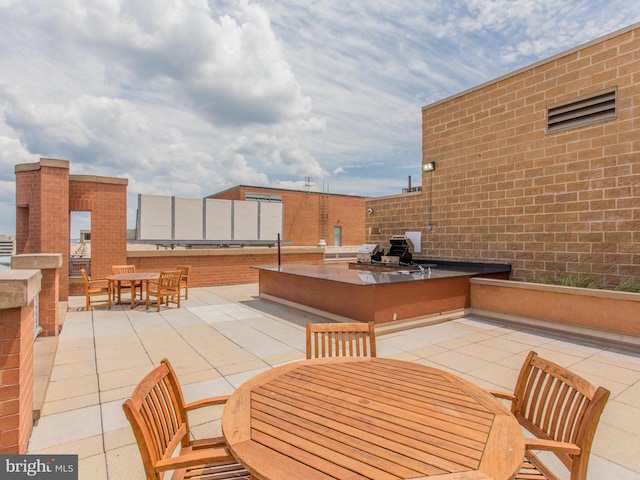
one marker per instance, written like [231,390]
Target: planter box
[604,314]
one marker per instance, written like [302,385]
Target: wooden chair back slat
[340,339]
[170,279]
[96,288]
[166,289]
[120,269]
[157,415]
[553,403]
[184,281]
[133,287]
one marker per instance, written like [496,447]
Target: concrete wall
[505,190]
[163,217]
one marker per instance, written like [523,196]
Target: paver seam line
[95,361]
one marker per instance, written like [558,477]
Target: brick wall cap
[18,288]
[40,261]
[396,195]
[203,252]
[543,287]
[98,179]
[44,162]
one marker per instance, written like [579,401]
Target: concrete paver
[225,335]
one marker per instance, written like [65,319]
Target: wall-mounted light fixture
[430,167]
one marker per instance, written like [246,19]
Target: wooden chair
[341,339]
[184,281]
[123,285]
[159,417]
[562,410]
[166,289]
[96,288]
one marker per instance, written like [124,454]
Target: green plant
[568,281]
[540,278]
[580,281]
[629,285]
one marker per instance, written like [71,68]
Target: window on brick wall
[594,108]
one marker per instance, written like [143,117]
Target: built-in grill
[398,252]
[369,252]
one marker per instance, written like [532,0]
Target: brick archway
[46,194]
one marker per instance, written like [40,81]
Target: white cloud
[188,97]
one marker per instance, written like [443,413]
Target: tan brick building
[311,216]
[539,168]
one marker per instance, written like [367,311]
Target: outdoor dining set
[345,413]
[165,286]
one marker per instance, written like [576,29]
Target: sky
[192,97]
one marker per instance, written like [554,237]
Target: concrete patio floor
[223,336]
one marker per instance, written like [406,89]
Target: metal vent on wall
[586,110]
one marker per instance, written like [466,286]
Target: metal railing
[77,264]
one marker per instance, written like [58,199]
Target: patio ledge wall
[215,266]
[18,289]
[602,314]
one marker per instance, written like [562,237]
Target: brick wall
[304,223]
[222,266]
[48,265]
[18,289]
[505,190]
[15,391]
[45,196]
[42,200]
[106,199]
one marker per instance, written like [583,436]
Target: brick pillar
[42,217]
[18,289]
[106,199]
[49,264]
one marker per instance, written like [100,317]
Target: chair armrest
[505,395]
[212,442]
[99,282]
[551,445]
[206,402]
[218,456]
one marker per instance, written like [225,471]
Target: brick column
[49,264]
[42,206]
[18,289]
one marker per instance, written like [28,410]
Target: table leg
[133,295]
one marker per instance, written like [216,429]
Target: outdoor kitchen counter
[366,276]
[374,296]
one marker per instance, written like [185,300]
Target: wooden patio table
[143,277]
[356,418]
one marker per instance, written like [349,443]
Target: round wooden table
[370,418]
[143,277]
